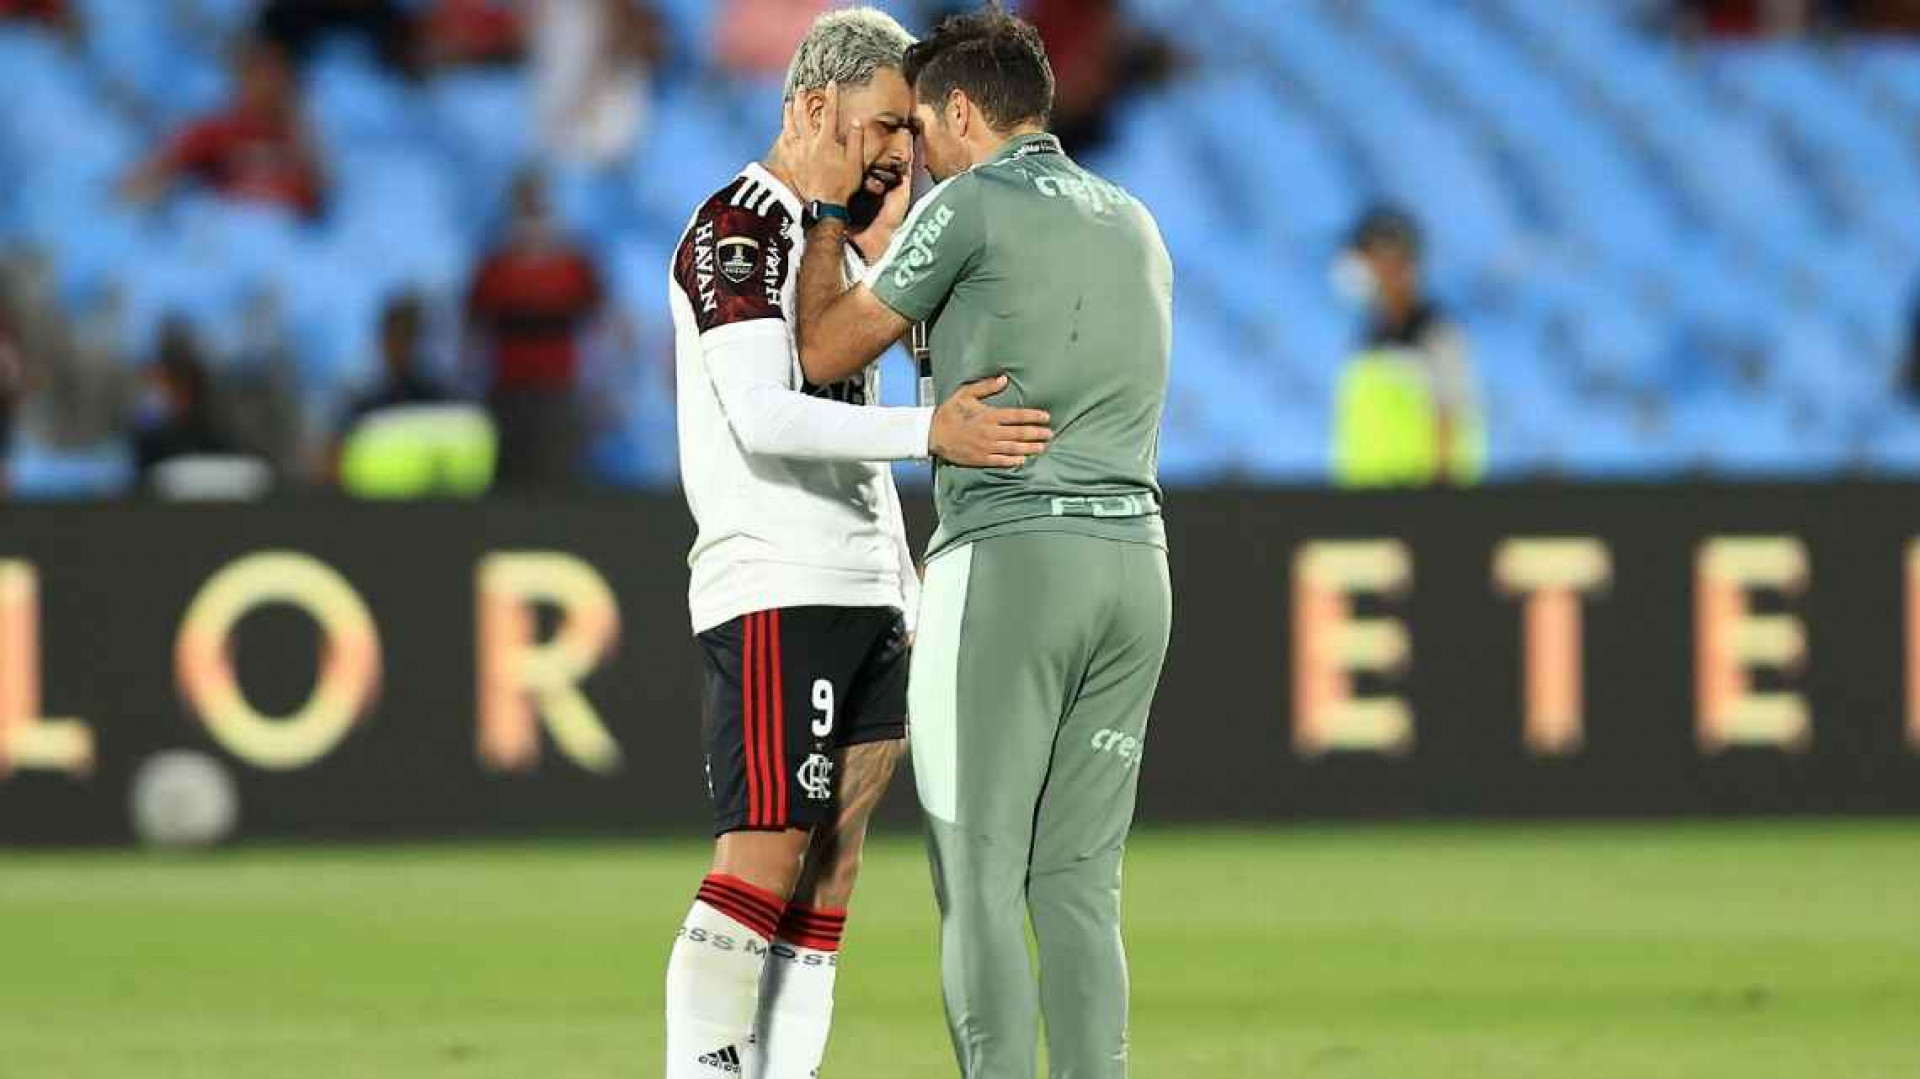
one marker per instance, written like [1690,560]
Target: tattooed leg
[796,997]
[833,859]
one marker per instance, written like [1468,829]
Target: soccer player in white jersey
[802,579]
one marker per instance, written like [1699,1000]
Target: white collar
[762,175]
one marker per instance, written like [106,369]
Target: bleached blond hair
[846,46]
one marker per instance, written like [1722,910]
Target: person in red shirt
[51,12]
[1097,57]
[532,304]
[55,13]
[1751,18]
[1888,16]
[256,150]
[473,32]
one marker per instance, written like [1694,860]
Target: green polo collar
[1038,142]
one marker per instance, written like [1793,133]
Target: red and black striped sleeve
[735,259]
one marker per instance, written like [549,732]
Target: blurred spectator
[403,376]
[55,13]
[1788,18]
[256,150]
[176,417]
[1748,18]
[591,61]
[755,39]
[388,445]
[1097,57]
[1892,16]
[1408,412]
[531,307]
[13,385]
[472,33]
[1913,353]
[299,27]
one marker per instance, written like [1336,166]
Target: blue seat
[1335,65]
[353,102]
[39,472]
[1191,450]
[1671,257]
[33,57]
[207,283]
[1830,387]
[224,16]
[1896,448]
[1604,439]
[690,153]
[245,239]
[641,448]
[128,42]
[1528,403]
[1757,436]
[1296,188]
[1890,71]
[753,107]
[1152,158]
[638,268]
[595,204]
[61,127]
[1468,212]
[401,214]
[1188,456]
[1294,446]
[1863,288]
[486,121]
[1618,346]
[331,319]
[690,32]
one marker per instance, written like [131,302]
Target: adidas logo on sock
[727,1060]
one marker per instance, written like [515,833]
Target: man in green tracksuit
[1046,612]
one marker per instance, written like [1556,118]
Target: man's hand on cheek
[832,162]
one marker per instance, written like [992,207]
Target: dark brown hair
[995,57]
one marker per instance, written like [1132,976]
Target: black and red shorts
[787,688]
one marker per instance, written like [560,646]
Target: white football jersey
[775,530]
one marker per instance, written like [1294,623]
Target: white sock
[796,994]
[713,980]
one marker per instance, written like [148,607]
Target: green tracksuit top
[1031,266]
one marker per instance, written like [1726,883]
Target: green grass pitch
[1748,951]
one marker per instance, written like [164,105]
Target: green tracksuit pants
[1035,668]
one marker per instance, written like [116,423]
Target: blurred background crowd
[417,247]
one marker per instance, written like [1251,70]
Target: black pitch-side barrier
[526,666]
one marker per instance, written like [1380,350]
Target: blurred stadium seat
[47,472]
[1627,224]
